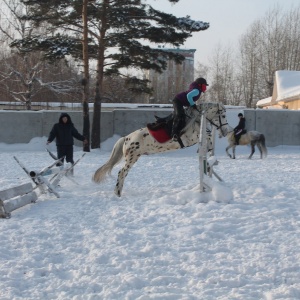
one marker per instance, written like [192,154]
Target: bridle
[219,112]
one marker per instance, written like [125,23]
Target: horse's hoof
[117,192]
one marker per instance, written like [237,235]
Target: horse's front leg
[129,162]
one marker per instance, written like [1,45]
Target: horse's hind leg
[252,150]
[233,151]
[260,150]
[129,162]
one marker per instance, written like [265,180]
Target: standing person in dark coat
[63,132]
[240,128]
[186,99]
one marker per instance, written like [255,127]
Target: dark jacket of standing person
[64,132]
[186,99]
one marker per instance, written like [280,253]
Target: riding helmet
[201,81]
[240,115]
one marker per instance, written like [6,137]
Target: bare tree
[115,90]
[243,76]
[221,74]
[23,75]
[271,43]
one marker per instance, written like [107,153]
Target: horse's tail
[263,146]
[115,157]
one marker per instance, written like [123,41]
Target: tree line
[244,75]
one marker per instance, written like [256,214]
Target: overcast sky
[228,19]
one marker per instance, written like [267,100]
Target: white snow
[162,239]
[288,84]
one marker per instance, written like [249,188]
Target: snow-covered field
[161,239]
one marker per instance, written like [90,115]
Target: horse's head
[216,115]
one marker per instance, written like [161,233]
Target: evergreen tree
[120,35]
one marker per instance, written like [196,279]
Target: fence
[281,127]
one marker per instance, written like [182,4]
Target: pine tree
[120,35]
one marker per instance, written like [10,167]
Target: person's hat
[240,115]
[201,81]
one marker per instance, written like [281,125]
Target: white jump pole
[211,170]
[202,152]
[213,135]
[212,152]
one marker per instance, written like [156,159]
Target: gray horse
[254,138]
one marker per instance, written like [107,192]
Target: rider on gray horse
[186,99]
[240,128]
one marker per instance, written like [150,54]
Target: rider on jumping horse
[186,99]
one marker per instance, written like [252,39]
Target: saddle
[161,129]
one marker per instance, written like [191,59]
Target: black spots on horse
[145,134]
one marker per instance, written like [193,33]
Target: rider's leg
[237,136]
[178,118]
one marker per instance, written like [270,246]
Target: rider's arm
[190,96]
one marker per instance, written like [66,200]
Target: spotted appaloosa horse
[140,142]
[254,138]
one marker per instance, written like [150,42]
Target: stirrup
[175,138]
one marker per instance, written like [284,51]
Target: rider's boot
[237,140]
[175,129]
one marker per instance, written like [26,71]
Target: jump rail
[16,197]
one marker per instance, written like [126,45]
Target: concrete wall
[22,126]
[280,127]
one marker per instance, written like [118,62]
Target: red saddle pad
[160,135]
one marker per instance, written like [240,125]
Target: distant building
[286,91]
[176,78]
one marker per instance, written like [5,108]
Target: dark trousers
[238,134]
[65,151]
[178,121]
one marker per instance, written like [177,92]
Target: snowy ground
[161,240]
